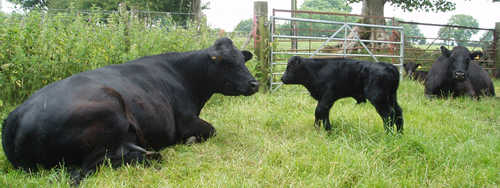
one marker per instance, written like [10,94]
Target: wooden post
[261,44]
[497,49]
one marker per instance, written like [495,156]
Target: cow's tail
[394,75]
[133,126]
[9,131]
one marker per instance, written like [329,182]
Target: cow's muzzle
[459,75]
[253,87]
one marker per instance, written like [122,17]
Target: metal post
[401,54]
[345,37]
[496,39]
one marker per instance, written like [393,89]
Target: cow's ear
[297,60]
[419,66]
[214,55]
[248,55]
[445,51]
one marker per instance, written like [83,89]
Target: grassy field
[268,140]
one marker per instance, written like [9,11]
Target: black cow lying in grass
[454,74]
[413,73]
[330,79]
[121,111]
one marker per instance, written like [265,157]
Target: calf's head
[228,70]
[411,67]
[295,72]
[458,61]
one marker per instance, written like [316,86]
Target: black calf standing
[330,79]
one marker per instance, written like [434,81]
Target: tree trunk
[196,10]
[375,10]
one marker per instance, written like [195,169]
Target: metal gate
[278,60]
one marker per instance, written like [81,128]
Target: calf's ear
[445,51]
[248,55]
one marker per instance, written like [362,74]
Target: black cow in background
[413,73]
[454,74]
[122,111]
[330,79]
[476,55]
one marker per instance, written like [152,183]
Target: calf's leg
[387,110]
[322,112]
[399,117]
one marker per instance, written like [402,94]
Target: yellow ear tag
[477,57]
[419,67]
[213,57]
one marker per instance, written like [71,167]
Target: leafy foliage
[181,8]
[326,5]
[425,5]
[337,6]
[458,34]
[244,26]
[41,48]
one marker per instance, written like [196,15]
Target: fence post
[261,44]
[497,49]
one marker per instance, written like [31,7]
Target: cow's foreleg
[196,130]
[322,113]
[469,90]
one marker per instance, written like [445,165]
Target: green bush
[39,48]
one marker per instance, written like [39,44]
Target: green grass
[268,140]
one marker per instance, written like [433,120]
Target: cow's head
[459,59]
[227,68]
[411,67]
[476,55]
[295,72]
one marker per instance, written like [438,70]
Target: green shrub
[39,48]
